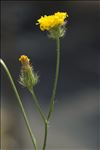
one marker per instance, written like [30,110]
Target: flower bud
[28,78]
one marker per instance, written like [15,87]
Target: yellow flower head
[24,59]
[51,21]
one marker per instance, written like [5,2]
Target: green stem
[45,137]
[20,103]
[53,93]
[42,115]
[38,106]
[56,80]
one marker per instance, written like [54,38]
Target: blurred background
[75,121]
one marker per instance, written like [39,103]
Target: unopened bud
[28,78]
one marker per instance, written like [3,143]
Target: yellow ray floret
[24,59]
[51,21]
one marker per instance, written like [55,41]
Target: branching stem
[20,103]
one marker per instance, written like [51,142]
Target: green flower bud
[28,78]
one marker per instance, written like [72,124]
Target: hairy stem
[55,80]
[45,136]
[53,92]
[38,106]
[42,116]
